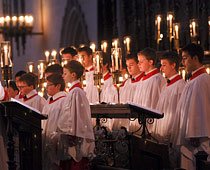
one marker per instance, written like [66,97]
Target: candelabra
[6,62]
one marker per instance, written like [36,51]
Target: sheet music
[31,108]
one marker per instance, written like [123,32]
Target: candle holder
[116,59]
[6,62]
[41,69]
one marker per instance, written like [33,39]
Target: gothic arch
[74,28]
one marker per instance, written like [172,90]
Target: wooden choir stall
[23,136]
[123,149]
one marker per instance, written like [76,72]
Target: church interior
[34,35]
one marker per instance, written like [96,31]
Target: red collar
[198,72]
[175,79]
[25,98]
[76,85]
[107,76]
[150,74]
[20,96]
[52,101]
[90,69]
[123,83]
[138,78]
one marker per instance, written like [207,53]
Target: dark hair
[194,50]
[69,50]
[20,73]
[87,49]
[150,54]
[172,57]
[132,56]
[13,85]
[75,67]
[30,79]
[55,68]
[57,79]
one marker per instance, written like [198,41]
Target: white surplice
[90,89]
[53,110]
[75,121]
[148,91]
[167,104]
[34,100]
[193,111]
[126,95]
[109,92]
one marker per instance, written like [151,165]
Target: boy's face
[167,67]
[24,88]
[52,89]
[144,64]
[86,60]
[188,62]
[68,76]
[132,66]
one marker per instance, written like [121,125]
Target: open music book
[29,107]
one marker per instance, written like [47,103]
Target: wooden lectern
[143,152]
[23,124]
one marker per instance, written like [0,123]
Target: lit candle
[115,43]
[127,44]
[104,46]
[158,20]
[41,68]
[170,23]
[116,60]
[29,20]
[21,21]
[2,21]
[93,47]
[7,20]
[97,63]
[6,53]
[47,55]
[53,54]
[31,67]
[193,28]
[14,21]
[176,31]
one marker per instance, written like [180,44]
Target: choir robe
[148,91]
[128,89]
[126,95]
[109,94]
[90,89]
[53,110]
[75,124]
[167,104]
[193,111]
[32,99]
